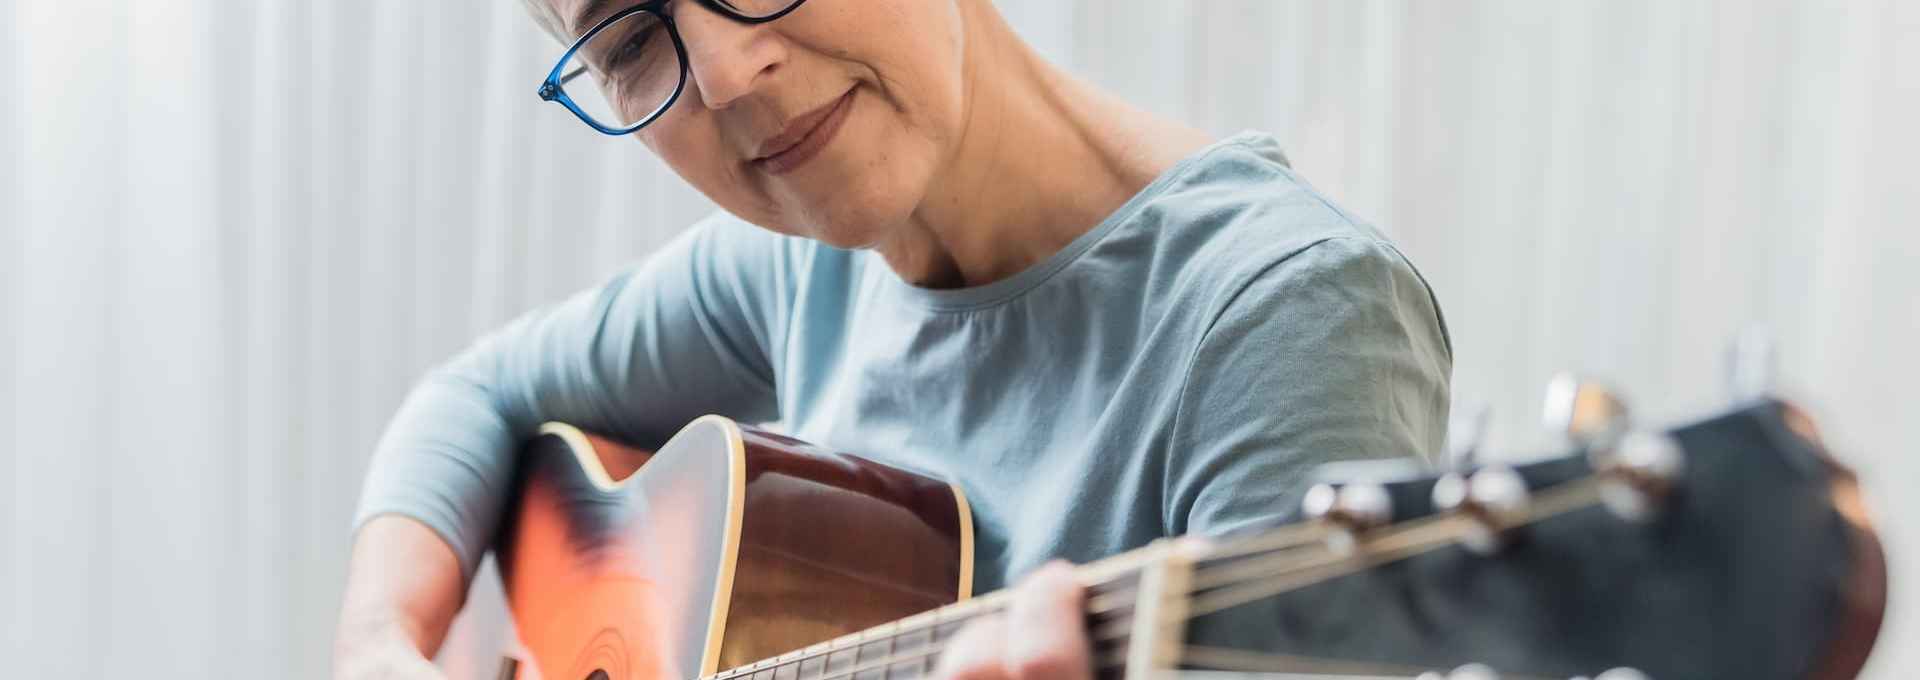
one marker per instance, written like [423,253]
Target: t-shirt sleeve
[691,331]
[1334,352]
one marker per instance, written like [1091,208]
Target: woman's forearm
[404,586]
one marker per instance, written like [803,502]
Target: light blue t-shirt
[1179,368]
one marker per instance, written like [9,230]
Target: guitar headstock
[1731,547]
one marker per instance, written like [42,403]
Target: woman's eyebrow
[590,14]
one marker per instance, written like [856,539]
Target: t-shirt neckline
[1009,288]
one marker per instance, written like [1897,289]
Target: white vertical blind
[12,265]
[232,233]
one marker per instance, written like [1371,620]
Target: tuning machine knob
[1494,498]
[1638,473]
[1472,671]
[1349,510]
[1586,412]
[1476,671]
[1618,674]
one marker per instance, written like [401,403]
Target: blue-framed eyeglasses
[635,62]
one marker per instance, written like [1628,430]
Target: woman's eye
[631,49]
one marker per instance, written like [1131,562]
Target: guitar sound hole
[598,675]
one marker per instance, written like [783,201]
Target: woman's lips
[819,129]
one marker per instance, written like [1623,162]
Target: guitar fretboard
[901,650]
[910,647]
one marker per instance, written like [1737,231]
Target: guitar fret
[912,644]
[945,630]
[892,644]
[839,660]
[813,667]
[918,637]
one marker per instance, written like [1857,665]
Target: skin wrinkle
[971,83]
[589,16]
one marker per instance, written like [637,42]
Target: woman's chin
[845,232]
[852,219]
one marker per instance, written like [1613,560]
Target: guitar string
[1214,658]
[1414,538]
[1236,660]
[1262,577]
[1104,573]
[1225,659]
[1422,536]
[1410,538]
[1277,666]
[1100,575]
[1384,546]
[1291,666]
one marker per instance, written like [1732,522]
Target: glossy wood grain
[834,544]
[728,545]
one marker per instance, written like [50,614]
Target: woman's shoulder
[1238,212]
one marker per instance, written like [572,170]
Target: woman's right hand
[396,660]
[403,587]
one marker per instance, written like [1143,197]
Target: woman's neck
[1043,158]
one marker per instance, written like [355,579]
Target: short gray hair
[548,19]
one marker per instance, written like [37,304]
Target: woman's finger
[976,652]
[1047,627]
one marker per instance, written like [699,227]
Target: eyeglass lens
[624,73]
[628,71]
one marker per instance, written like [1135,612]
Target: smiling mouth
[804,138]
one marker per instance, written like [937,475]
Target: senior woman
[940,251]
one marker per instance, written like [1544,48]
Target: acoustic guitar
[1728,548]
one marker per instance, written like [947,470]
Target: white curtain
[232,232]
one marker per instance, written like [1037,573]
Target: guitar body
[726,546]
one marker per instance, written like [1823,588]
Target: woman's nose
[728,59]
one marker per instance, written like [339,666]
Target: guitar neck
[1137,603]
[909,647]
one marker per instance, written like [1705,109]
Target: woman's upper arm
[690,332]
[1335,352]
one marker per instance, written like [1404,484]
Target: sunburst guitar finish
[728,545]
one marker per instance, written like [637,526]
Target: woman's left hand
[1042,637]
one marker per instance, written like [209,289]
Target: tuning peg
[1495,498]
[1622,673]
[1586,412]
[1751,365]
[1349,510]
[1638,473]
[1474,671]
[1465,435]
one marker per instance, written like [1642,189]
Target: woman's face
[829,123]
